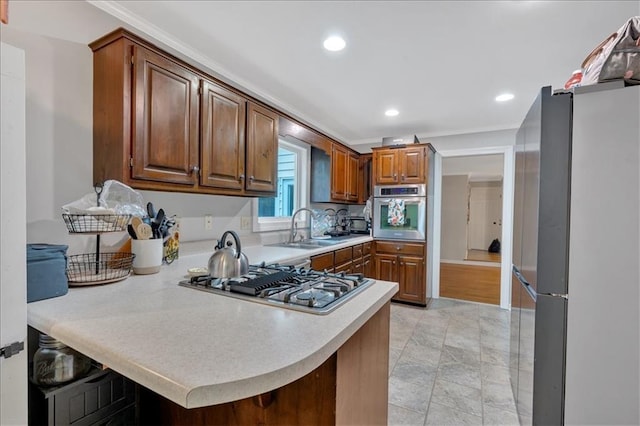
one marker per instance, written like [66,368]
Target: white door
[485,215]
[13,303]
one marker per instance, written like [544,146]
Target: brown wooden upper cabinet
[335,175]
[223,147]
[393,166]
[165,120]
[344,174]
[262,149]
[162,124]
[364,177]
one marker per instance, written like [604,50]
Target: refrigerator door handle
[524,283]
[519,275]
[530,290]
[564,296]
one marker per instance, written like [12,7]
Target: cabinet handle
[402,176]
[395,175]
[241,177]
[398,248]
[195,170]
[251,178]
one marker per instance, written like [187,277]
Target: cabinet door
[411,276]
[353,166]
[386,267]
[323,262]
[222,137]
[367,267]
[339,171]
[412,165]
[364,177]
[386,167]
[261,149]
[165,120]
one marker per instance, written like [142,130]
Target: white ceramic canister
[148,255]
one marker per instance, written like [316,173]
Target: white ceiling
[440,63]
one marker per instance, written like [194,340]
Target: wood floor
[483,256]
[475,283]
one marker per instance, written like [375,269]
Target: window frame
[301,199]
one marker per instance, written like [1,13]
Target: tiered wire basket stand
[97,268]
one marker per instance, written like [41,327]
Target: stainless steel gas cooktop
[286,287]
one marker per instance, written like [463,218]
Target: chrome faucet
[294,227]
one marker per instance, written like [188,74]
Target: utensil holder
[148,255]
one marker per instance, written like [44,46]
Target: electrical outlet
[208,222]
[245,222]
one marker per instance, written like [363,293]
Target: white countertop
[196,348]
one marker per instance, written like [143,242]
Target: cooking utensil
[132,231]
[135,221]
[160,218]
[227,262]
[150,210]
[155,232]
[144,231]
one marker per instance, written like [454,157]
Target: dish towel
[396,212]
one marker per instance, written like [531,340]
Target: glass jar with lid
[55,363]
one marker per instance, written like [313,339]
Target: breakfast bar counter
[197,349]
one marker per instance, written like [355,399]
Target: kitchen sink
[306,244]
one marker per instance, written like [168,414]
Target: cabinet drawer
[357,251]
[322,262]
[343,255]
[345,267]
[416,249]
[97,399]
[366,248]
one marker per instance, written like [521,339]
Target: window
[274,213]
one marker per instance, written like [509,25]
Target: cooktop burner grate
[285,286]
[255,286]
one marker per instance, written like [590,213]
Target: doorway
[458,174]
[471,221]
[484,220]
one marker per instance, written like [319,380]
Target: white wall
[453,232]
[59,121]
[474,140]
[459,142]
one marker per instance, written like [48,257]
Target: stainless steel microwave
[400,212]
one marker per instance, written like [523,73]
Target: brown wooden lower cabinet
[350,387]
[323,262]
[350,260]
[405,264]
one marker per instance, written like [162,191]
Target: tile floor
[448,365]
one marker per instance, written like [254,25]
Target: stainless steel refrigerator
[574,354]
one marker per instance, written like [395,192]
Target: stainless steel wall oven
[400,212]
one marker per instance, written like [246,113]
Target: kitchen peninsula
[242,362]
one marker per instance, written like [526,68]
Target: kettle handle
[236,239]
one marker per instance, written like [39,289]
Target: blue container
[46,271]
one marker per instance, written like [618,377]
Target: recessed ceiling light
[504,97]
[391,112]
[334,43]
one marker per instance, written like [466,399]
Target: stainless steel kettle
[227,262]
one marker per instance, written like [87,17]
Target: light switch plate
[208,222]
